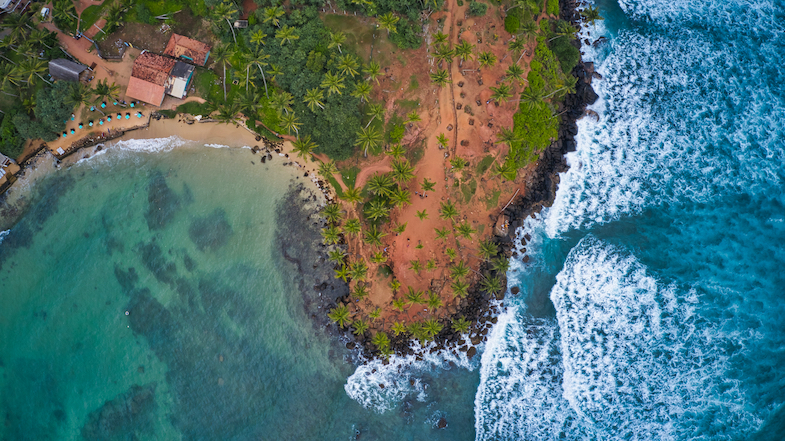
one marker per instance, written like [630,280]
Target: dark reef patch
[163,202]
[155,262]
[128,416]
[211,232]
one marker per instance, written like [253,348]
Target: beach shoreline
[44,163]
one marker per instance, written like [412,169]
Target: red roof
[146,91]
[148,78]
[182,46]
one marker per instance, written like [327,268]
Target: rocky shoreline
[478,307]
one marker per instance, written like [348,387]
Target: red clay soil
[471,135]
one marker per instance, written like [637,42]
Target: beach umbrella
[73,131]
[132,104]
[103,105]
[127,115]
[81,125]
[138,114]
[108,118]
[64,135]
[101,122]
[92,108]
[119,115]
[90,124]
[115,103]
[73,116]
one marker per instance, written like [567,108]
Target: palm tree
[442,233]
[465,230]
[488,249]
[412,117]
[430,265]
[459,270]
[514,71]
[286,34]
[227,113]
[461,325]
[226,11]
[400,197]
[434,301]
[80,94]
[532,96]
[398,328]
[331,235]
[304,147]
[563,29]
[327,169]
[415,266]
[275,71]
[402,171]
[340,315]
[501,265]
[360,327]
[442,140]
[282,102]
[395,285]
[397,151]
[440,38]
[333,83]
[273,14]
[400,228]
[451,253]
[342,273]
[458,164]
[38,36]
[348,65]
[443,53]
[256,58]
[389,21]
[441,77]
[313,98]
[337,255]
[414,297]
[375,111]
[422,215]
[336,40]
[358,270]
[373,70]
[428,185]
[352,195]
[460,288]
[249,104]
[591,14]
[362,90]
[380,185]
[432,327]
[289,123]
[258,37]
[368,138]
[379,257]
[31,68]
[374,237]
[491,284]
[381,340]
[9,77]
[464,51]
[105,92]
[507,170]
[221,55]
[360,291]
[486,59]
[448,211]
[502,93]
[376,210]
[353,226]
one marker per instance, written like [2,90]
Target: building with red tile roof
[193,51]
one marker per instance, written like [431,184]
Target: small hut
[62,69]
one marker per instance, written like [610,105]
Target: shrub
[568,55]
[477,9]
[10,142]
[553,7]
[406,37]
[512,22]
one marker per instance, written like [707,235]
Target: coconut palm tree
[451,253]
[373,70]
[333,83]
[227,113]
[432,327]
[515,72]
[422,215]
[458,164]
[414,297]
[488,249]
[507,170]
[304,147]
[348,65]
[412,117]
[502,93]
[282,102]
[443,53]
[79,94]
[389,21]
[327,169]
[106,92]
[397,151]
[464,51]
[368,138]
[380,340]
[374,237]
[400,197]
[563,29]
[360,327]
[30,69]
[402,171]
[8,78]
[257,57]
[434,301]
[398,328]
[258,37]
[461,325]
[362,90]
[460,288]
[289,123]
[428,185]
[442,140]
[532,96]
[448,211]
[400,228]
[440,38]
[336,40]
[340,315]
[226,11]
[286,34]
[465,230]
[486,59]
[358,270]
[591,14]
[376,210]
[313,98]
[342,273]
[380,185]
[442,233]
[221,55]
[375,111]
[360,291]
[441,77]
[353,226]
[459,270]
[378,257]
[331,235]
[416,266]
[273,14]
[352,195]
[337,255]
[275,72]
[430,265]
[491,284]
[500,265]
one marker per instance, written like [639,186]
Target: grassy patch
[335,185]
[208,85]
[484,165]
[349,176]
[468,190]
[493,200]
[407,105]
[195,108]
[413,83]
[91,15]
[414,155]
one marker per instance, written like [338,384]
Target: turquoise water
[154,293]
[653,303]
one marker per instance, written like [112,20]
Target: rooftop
[182,46]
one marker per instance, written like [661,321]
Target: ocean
[651,306]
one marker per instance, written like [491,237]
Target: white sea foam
[401,378]
[3,235]
[626,358]
[155,145]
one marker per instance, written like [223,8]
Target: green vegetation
[553,7]
[468,189]
[512,22]
[484,164]
[477,9]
